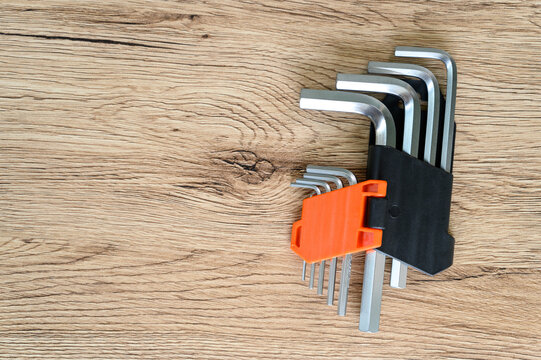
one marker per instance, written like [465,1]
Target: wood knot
[249,167]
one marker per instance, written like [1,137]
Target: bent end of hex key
[335,171]
[315,188]
[323,184]
[349,102]
[433,91]
[388,85]
[323,177]
[450,96]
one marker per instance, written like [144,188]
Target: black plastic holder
[414,215]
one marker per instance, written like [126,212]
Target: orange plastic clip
[332,223]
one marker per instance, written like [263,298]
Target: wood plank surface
[146,149]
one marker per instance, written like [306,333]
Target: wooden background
[146,153]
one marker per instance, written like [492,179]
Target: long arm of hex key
[332,267]
[374,268]
[385,135]
[399,270]
[320,279]
[318,192]
[450,96]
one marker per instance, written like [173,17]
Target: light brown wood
[146,153]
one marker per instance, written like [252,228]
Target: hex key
[315,188]
[385,135]
[412,120]
[321,276]
[331,170]
[323,184]
[450,96]
[399,270]
[374,267]
[433,90]
[351,102]
[326,188]
[389,85]
[318,192]
[328,178]
[352,180]
[332,267]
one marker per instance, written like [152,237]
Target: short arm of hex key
[385,135]
[450,96]
[350,102]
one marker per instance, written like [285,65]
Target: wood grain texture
[146,148]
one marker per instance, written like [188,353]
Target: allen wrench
[332,267]
[383,123]
[410,143]
[320,279]
[399,270]
[389,85]
[344,279]
[406,180]
[325,176]
[450,96]
[433,90]
[317,192]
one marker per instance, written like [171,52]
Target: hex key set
[402,211]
